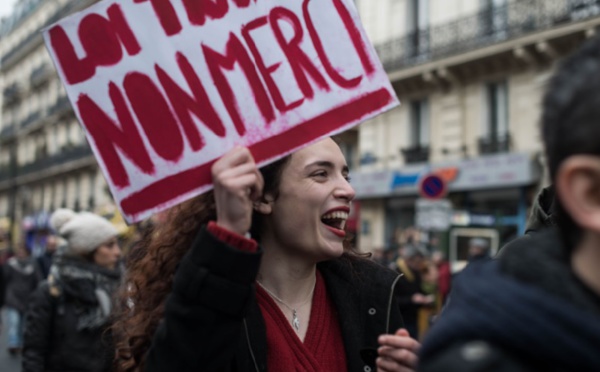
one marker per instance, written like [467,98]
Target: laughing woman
[256,276]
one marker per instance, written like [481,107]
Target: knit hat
[84,232]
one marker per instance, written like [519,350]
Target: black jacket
[21,277]
[526,311]
[66,324]
[213,322]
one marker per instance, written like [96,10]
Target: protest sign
[164,88]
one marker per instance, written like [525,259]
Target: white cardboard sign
[163,88]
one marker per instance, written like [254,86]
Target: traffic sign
[432,186]
[433,215]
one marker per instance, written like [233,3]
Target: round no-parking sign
[432,187]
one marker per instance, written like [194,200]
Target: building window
[496,137]
[418,148]
[418,28]
[494,20]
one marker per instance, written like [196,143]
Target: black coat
[213,322]
[21,278]
[526,311]
[63,329]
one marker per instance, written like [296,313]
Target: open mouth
[336,222]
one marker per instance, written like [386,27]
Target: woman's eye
[320,174]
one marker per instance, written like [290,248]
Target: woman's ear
[578,188]
[264,205]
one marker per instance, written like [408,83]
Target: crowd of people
[258,274]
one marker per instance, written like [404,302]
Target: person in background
[411,296]
[21,277]
[44,261]
[479,249]
[537,308]
[69,314]
[444,275]
[257,276]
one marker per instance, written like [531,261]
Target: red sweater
[323,347]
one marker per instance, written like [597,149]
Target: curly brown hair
[152,264]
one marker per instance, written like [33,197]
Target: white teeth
[336,215]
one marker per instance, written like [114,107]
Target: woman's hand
[398,352]
[237,184]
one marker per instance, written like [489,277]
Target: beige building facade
[470,75]
[45,161]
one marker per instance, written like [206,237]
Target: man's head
[479,247]
[414,256]
[571,136]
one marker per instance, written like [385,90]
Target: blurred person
[256,275]
[543,214]
[69,313]
[537,308]
[21,277]
[444,275]
[44,261]
[479,249]
[410,293]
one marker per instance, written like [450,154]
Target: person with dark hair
[21,277]
[537,308]
[256,276]
[69,315]
[411,296]
[479,249]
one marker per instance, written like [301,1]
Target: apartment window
[418,147]
[418,22]
[496,136]
[494,20]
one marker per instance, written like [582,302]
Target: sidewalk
[8,363]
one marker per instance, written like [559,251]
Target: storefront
[490,191]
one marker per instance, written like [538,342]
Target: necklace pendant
[295,320]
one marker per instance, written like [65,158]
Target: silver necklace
[295,320]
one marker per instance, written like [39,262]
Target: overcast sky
[6,6]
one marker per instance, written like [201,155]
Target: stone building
[45,161]
[470,75]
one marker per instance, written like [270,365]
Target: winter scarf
[488,305]
[90,285]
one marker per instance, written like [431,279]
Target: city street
[8,363]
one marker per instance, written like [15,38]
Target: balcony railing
[66,155]
[12,94]
[494,145]
[487,27]
[415,154]
[40,75]
[7,133]
[31,119]
[35,38]
[61,106]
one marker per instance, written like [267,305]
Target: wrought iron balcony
[40,75]
[31,119]
[69,153]
[494,144]
[15,54]
[12,94]
[487,27]
[7,133]
[61,106]
[415,154]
